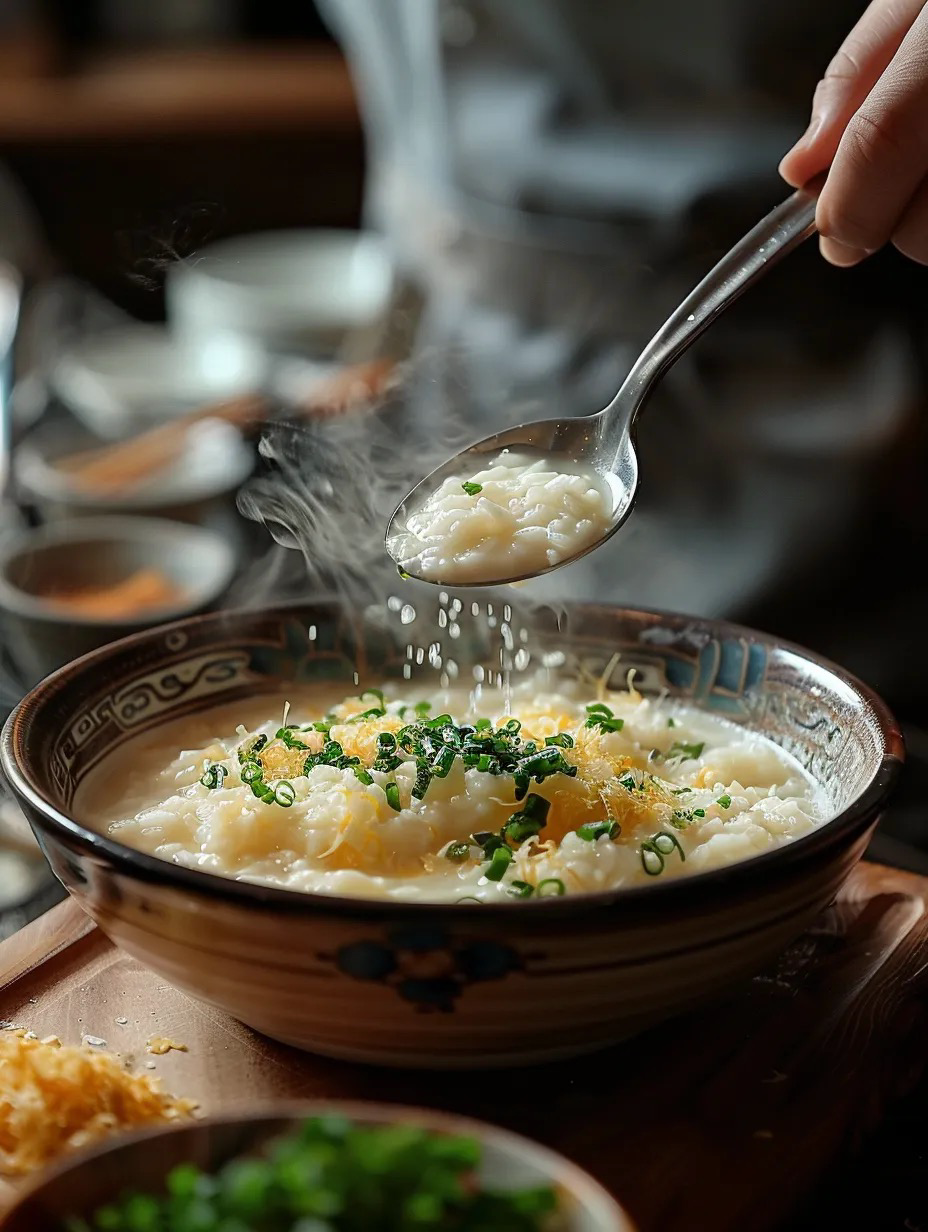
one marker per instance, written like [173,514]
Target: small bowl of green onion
[319,1168]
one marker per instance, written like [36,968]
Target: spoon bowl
[604,442]
[573,442]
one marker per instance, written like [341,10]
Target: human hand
[870,126]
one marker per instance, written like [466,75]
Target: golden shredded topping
[158,1045]
[56,1098]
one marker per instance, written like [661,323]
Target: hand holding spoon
[603,444]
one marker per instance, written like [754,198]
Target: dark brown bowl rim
[678,892]
[574,1177]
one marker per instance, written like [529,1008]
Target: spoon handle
[776,235]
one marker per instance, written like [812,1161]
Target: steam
[325,494]
[327,490]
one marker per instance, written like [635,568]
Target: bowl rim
[680,892]
[106,528]
[570,1176]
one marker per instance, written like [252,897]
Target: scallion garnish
[251,772]
[561,741]
[213,776]
[499,862]
[457,852]
[472,488]
[724,802]
[286,735]
[284,793]
[601,717]
[593,830]
[392,792]
[251,748]
[684,751]
[557,888]
[681,818]
[527,823]
[654,851]
[521,889]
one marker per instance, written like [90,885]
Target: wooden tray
[723,1120]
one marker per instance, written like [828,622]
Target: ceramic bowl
[200,487]
[40,636]
[126,378]
[453,984]
[142,1161]
[282,291]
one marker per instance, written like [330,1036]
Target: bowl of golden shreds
[300,815]
[319,1168]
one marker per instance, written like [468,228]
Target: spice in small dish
[146,590]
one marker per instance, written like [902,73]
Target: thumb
[849,78]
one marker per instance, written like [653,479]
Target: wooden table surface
[730,1119]
[156,94]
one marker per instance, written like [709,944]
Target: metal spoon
[605,441]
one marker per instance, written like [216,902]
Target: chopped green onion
[671,723]
[286,735]
[251,748]
[653,851]
[457,852]
[529,822]
[681,818]
[402,572]
[421,785]
[472,488]
[651,859]
[487,841]
[251,772]
[213,776]
[392,792]
[724,802]
[681,749]
[593,830]
[561,741]
[499,862]
[521,889]
[558,888]
[604,724]
[284,793]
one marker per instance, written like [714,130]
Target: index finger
[883,154]
[849,78]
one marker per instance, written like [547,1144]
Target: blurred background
[218,213]
[461,213]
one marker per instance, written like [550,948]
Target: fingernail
[808,137]
[842,255]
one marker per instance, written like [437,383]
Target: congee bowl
[449,985]
[142,1161]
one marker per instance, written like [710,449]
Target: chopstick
[113,467]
